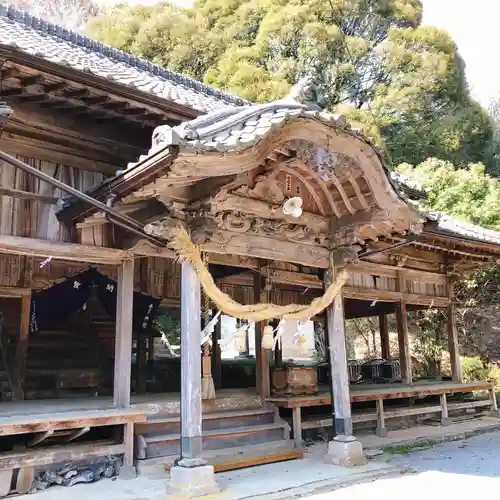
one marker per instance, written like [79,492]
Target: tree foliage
[472,195]
[372,60]
[72,14]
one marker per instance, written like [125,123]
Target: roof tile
[58,45]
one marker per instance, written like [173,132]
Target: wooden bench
[379,394]
[68,426]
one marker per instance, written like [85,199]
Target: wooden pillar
[384,336]
[403,338]
[404,344]
[339,373]
[142,363]
[217,355]
[453,346]
[123,341]
[263,382]
[191,416]
[19,374]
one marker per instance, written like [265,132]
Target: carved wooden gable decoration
[228,174]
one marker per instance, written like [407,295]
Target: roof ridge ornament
[305,92]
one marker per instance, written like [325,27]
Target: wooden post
[123,341]
[191,417]
[263,381]
[19,375]
[381,430]
[297,426]
[444,410]
[384,336]
[453,346]
[403,338]
[339,373]
[142,363]
[217,356]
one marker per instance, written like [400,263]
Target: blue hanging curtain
[59,302]
[145,306]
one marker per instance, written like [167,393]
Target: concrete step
[169,444]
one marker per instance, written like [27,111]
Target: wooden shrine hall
[269,213]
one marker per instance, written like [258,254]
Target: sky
[474,25]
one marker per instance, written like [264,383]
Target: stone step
[169,444]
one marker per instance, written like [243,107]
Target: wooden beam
[453,344]
[71,252]
[403,337]
[371,294]
[232,202]
[25,195]
[268,248]
[384,336]
[123,341]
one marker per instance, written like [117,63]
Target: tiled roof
[38,38]
[448,224]
[237,129]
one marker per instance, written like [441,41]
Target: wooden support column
[142,363]
[403,338]
[384,336]
[191,416]
[339,373]
[123,341]
[217,356]
[263,381]
[453,345]
[19,375]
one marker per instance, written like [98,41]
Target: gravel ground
[460,470]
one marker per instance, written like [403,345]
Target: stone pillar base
[127,472]
[192,482]
[345,451]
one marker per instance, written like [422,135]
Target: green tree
[471,195]
[372,60]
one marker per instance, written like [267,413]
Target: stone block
[192,482]
[346,452]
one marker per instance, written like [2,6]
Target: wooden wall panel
[36,218]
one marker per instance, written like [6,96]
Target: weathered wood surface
[384,336]
[27,204]
[453,344]
[42,422]
[339,372]
[19,375]
[191,433]
[19,245]
[59,454]
[123,339]
[389,391]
